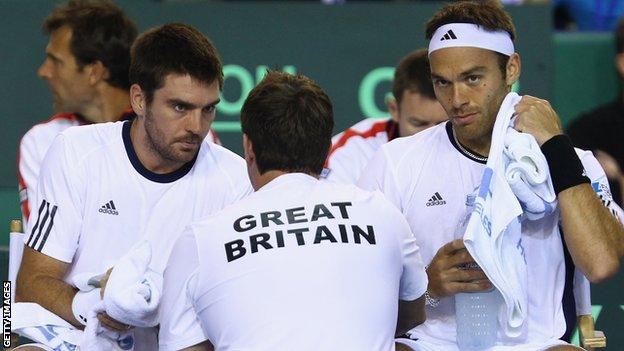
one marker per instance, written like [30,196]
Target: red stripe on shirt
[376,128]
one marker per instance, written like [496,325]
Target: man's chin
[185,155]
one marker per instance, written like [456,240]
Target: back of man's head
[289,121]
[413,74]
[173,48]
[100,32]
[488,14]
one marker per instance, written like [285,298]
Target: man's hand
[446,278]
[610,166]
[536,117]
[113,324]
[105,319]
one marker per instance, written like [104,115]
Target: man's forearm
[411,314]
[54,295]
[39,280]
[592,234]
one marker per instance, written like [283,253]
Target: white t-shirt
[428,178]
[34,145]
[352,149]
[95,199]
[299,265]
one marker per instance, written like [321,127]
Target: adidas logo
[435,200]
[449,35]
[109,208]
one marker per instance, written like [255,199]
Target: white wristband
[83,303]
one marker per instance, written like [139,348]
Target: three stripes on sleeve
[43,226]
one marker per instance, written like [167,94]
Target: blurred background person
[414,108]
[86,69]
[601,130]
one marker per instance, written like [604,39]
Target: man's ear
[513,69]
[97,72]
[137,100]
[393,108]
[250,156]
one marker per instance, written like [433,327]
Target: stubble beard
[157,142]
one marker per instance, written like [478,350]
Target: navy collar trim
[449,132]
[138,166]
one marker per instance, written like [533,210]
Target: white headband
[471,35]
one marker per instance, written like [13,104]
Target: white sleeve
[180,326]
[414,278]
[599,182]
[380,175]
[56,219]
[342,168]
[28,164]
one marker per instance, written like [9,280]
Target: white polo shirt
[352,149]
[428,178]
[35,144]
[299,265]
[95,199]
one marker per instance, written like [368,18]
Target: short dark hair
[488,14]
[289,121]
[100,32]
[173,48]
[413,74]
[619,36]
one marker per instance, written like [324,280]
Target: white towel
[493,235]
[132,293]
[38,324]
[528,175]
[95,336]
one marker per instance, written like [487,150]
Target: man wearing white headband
[430,176]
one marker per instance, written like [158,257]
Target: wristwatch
[431,301]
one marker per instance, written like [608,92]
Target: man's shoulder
[416,146]
[94,134]
[366,129]
[213,155]
[49,129]
[84,141]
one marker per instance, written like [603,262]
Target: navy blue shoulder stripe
[47,221]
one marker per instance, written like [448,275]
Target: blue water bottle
[476,314]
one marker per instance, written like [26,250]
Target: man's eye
[179,108]
[474,79]
[210,109]
[441,82]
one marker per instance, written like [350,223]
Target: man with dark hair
[413,109]
[153,174]
[601,129]
[435,176]
[300,264]
[86,69]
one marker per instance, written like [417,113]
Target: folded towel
[95,336]
[493,233]
[132,294]
[528,175]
